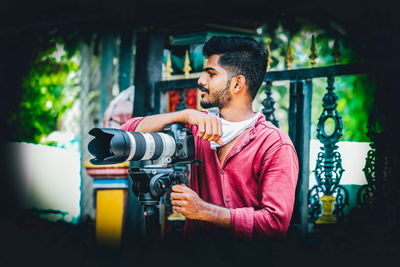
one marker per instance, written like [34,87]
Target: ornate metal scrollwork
[328,170]
[366,194]
[342,199]
[314,203]
[268,104]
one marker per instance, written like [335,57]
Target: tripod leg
[152,223]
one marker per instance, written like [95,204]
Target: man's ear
[239,83]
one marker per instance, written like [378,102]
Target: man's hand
[184,200]
[210,128]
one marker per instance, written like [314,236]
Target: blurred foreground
[29,240]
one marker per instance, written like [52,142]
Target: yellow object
[187,68]
[168,67]
[327,211]
[87,164]
[162,221]
[289,56]
[269,56]
[110,206]
[336,53]
[176,216]
[313,55]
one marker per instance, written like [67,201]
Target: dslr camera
[174,145]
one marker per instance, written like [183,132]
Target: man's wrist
[182,116]
[205,212]
[220,216]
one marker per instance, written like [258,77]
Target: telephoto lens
[112,146]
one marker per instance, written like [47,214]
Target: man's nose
[202,81]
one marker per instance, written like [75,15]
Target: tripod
[149,184]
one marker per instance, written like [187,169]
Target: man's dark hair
[240,56]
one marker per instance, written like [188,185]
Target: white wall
[47,178]
[353,161]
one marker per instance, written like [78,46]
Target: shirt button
[227,199]
[222,172]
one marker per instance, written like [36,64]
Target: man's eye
[211,74]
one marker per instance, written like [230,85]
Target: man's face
[214,85]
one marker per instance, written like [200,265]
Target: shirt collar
[253,129]
[249,135]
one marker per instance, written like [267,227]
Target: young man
[245,185]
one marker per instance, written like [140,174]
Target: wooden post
[300,131]
[293,110]
[148,70]
[304,155]
[106,71]
[125,60]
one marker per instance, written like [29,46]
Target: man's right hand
[209,126]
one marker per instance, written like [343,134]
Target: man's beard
[221,99]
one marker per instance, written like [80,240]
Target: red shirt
[257,182]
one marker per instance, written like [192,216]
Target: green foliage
[355,92]
[49,90]
[355,104]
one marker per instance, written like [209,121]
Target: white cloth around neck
[230,129]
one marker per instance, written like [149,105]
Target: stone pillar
[86,204]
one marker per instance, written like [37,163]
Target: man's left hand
[184,200]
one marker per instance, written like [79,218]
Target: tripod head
[150,183]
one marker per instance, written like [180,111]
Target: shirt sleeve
[131,124]
[276,190]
